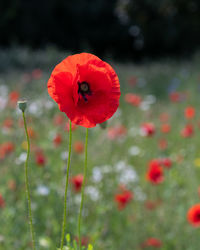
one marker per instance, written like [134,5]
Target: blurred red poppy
[147,129]
[40,158]
[78,147]
[193,215]
[2,202]
[86,88]
[166,162]
[77,182]
[123,198]
[175,97]
[162,144]
[117,132]
[187,131]
[8,123]
[6,148]
[165,128]
[58,120]
[189,112]
[155,174]
[152,242]
[84,240]
[57,140]
[133,99]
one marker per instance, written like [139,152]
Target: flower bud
[22,105]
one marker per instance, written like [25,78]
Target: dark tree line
[121,28]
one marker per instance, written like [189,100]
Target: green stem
[82,191]
[66,187]
[27,183]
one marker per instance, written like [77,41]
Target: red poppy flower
[57,140]
[13,97]
[155,174]
[189,112]
[86,88]
[193,215]
[175,97]
[6,148]
[84,240]
[165,128]
[40,158]
[154,163]
[8,123]
[166,162]
[117,132]
[133,99]
[77,182]
[31,133]
[58,120]
[78,147]
[151,205]
[162,144]
[148,129]
[12,185]
[2,202]
[123,198]
[152,242]
[187,131]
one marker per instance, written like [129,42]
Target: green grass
[103,223]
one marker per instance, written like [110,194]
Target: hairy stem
[82,190]
[66,188]
[27,183]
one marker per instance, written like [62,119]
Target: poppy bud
[22,105]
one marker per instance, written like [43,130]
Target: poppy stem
[82,191]
[27,182]
[66,187]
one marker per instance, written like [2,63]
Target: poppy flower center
[84,90]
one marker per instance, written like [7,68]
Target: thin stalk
[82,190]
[27,183]
[66,188]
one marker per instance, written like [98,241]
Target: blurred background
[122,29]
[154,47]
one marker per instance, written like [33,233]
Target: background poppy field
[126,205]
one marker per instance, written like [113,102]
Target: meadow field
[126,207]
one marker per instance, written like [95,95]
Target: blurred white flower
[77,199]
[128,175]
[21,159]
[44,242]
[3,102]
[35,108]
[144,106]
[42,190]
[3,89]
[64,155]
[48,104]
[119,166]
[150,99]
[139,194]
[133,131]
[134,150]
[92,192]
[96,174]
[106,169]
